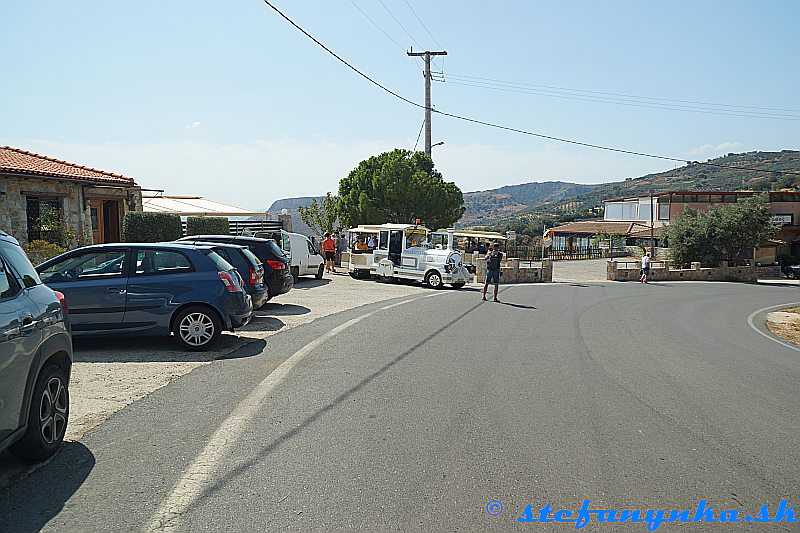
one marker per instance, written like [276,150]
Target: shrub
[151,227]
[40,251]
[207,226]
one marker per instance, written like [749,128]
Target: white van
[304,258]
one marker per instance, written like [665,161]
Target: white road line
[384,308]
[752,325]
[190,486]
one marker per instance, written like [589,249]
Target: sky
[228,101]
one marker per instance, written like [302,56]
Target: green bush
[207,226]
[40,251]
[151,227]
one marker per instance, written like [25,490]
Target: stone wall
[74,198]
[512,272]
[661,271]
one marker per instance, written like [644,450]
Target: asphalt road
[411,418]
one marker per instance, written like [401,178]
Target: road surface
[411,415]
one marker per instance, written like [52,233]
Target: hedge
[207,226]
[151,227]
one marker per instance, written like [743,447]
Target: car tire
[458,285]
[434,280]
[47,416]
[295,273]
[320,272]
[791,274]
[197,328]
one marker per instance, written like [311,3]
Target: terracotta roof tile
[14,160]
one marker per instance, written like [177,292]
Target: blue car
[150,289]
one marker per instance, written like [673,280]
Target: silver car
[35,358]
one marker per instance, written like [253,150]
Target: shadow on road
[275,309]
[30,504]
[248,350]
[310,283]
[518,306]
[339,400]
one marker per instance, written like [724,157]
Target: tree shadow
[31,503]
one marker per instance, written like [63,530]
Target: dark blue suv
[150,289]
[35,358]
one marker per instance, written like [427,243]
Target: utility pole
[427,56]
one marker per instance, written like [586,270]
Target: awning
[192,206]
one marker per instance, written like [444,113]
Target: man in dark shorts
[329,247]
[493,260]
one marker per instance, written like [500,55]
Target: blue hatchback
[150,289]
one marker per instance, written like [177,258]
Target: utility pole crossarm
[427,56]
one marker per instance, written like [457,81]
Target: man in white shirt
[645,267]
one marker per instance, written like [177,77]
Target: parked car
[35,358]
[791,271]
[150,289]
[304,258]
[276,265]
[246,263]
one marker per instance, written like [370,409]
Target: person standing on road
[493,260]
[645,267]
[329,248]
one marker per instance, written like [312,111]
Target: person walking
[329,248]
[493,260]
[645,267]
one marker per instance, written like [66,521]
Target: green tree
[322,216]
[53,228]
[399,187]
[721,233]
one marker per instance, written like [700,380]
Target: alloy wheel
[196,329]
[53,411]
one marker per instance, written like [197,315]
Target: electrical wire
[424,26]
[419,135]
[508,128]
[401,25]
[400,46]
[643,104]
[603,94]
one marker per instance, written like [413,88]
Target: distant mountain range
[509,205]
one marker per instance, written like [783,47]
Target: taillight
[230,283]
[63,301]
[253,276]
[276,265]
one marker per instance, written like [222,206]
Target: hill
[724,173]
[483,206]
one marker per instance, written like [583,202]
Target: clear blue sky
[228,101]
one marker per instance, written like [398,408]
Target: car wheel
[458,285]
[320,272]
[197,328]
[296,274]
[791,274]
[47,417]
[434,280]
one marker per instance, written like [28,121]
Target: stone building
[92,202]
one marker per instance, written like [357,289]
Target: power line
[400,46]
[400,23]
[419,135]
[423,25]
[508,128]
[642,104]
[514,83]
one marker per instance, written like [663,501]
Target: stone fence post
[547,270]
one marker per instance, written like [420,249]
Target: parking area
[111,373]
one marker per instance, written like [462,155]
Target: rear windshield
[19,262]
[221,264]
[252,258]
[275,249]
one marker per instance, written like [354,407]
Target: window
[613,212]
[644,212]
[729,198]
[663,211]
[88,265]
[383,240]
[149,262]
[629,211]
[8,284]
[677,198]
[703,198]
[690,198]
[37,206]
[311,249]
[715,198]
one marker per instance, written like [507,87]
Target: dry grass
[789,331]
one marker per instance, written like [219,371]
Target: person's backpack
[493,260]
